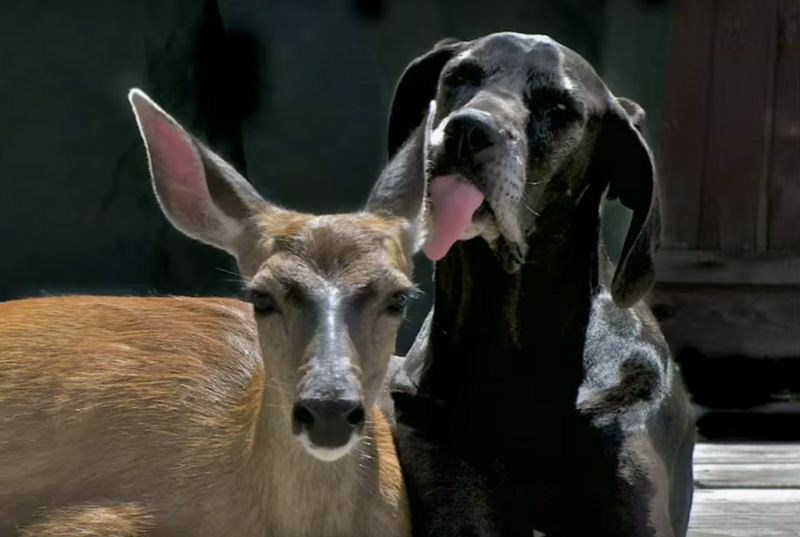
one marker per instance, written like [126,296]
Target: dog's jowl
[539,397]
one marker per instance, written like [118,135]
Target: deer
[186,416]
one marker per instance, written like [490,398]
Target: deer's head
[328,292]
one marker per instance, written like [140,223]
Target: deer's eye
[263,302]
[397,302]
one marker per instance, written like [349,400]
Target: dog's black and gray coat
[540,395]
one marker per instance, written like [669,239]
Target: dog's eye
[554,106]
[263,303]
[397,302]
[559,111]
[464,73]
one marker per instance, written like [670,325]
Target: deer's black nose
[329,423]
[468,133]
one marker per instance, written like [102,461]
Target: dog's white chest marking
[537,533]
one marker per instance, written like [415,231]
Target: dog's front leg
[643,493]
[446,496]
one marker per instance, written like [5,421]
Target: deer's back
[122,397]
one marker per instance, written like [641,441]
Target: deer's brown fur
[162,401]
[91,520]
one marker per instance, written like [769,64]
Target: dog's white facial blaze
[434,137]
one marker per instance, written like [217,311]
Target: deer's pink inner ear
[177,170]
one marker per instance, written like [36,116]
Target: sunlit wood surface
[746,490]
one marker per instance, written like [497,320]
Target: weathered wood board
[746,490]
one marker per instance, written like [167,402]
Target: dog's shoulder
[612,328]
[626,361]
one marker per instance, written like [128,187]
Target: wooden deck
[746,490]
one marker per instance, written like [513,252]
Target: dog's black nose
[328,423]
[468,133]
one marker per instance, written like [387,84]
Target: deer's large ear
[200,193]
[401,189]
[628,166]
[415,89]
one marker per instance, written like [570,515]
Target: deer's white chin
[328,454]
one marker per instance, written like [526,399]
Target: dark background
[295,94]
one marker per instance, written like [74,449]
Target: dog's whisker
[529,208]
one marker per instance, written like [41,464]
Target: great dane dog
[540,396]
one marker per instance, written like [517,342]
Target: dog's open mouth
[454,203]
[460,211]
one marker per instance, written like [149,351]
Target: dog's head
[517,122]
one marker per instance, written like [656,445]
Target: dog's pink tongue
[453,202]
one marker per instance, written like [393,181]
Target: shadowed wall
[294,93]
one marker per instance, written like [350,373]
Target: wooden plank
[733,213]
[709,267]
[697,533]
[753,321]
[684,120]
[746,513]
[747,453]
[739,475]
[784,180]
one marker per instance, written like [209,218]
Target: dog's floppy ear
[401,189]
[415,89]
[200,193]
[630,170]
